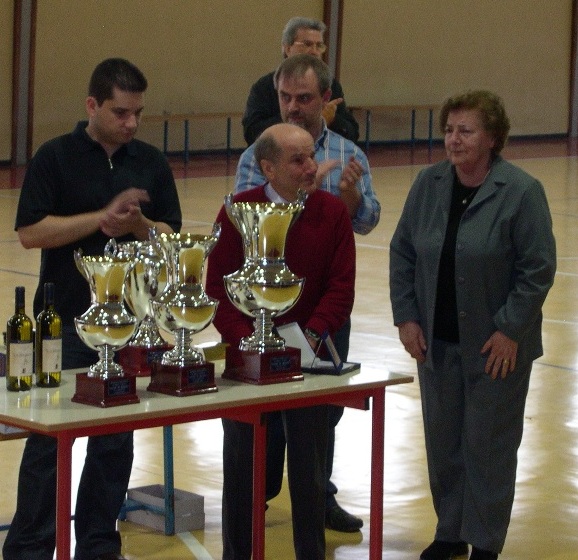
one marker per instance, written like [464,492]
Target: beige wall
[203,55]
[419,51]
[5,78]
[198,55]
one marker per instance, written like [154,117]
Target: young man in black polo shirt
[80,189]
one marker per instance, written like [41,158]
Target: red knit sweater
[320,247]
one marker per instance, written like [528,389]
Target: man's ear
[268,169]
[327,96]
[91,105]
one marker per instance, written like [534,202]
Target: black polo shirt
[71,175]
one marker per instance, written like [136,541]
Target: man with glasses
[300,36]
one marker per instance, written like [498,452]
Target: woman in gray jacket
[471,262]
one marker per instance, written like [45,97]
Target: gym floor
[545,516]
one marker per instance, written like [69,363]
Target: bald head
[286,155]
[270,144]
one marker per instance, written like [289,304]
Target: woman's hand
[502,357]
[413,341]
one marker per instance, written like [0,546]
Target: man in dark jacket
[301,35]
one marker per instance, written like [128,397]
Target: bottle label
[21,359]
[51,354]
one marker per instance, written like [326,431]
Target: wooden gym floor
[545,516]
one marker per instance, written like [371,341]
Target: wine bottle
[48,342]
[19,347]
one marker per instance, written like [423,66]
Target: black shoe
[480,554]
[338,519]
[110,556]
[444,550]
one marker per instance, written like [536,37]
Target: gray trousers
[473,428]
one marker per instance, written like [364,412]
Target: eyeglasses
[321,47]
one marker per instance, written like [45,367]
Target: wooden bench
[369,110]
[185,119]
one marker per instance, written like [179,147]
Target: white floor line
[199,551]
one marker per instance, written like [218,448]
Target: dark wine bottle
[19,347]
[48,342]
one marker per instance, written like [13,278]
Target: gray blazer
[505,259]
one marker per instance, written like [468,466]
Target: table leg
[63,494]
[169,487]
[377,457]
[259,454]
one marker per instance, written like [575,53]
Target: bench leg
[367,128]
[186,141]
[430,137]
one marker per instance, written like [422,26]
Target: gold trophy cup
[263,288]
[106,326]
[146,280]
[184,309]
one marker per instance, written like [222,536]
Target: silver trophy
[183,308]
[106,327]
[146,280]
[263,288]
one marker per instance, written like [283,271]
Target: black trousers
[101,492]
[305,431]
[276,436]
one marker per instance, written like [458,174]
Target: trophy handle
[229,202]
[216,230]
[155,241]
[80,264]
[111,248]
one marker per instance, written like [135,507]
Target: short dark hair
[266,147]
[491,109]
[115,72]
[297,65]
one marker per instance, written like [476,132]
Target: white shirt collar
[273,195]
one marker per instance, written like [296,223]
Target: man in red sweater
[320,247]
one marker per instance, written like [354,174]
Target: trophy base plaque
[181,381]
[262,368]
[113,391]
[138,360]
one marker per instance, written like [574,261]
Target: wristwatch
[312,334]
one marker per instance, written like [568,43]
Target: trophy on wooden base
[184,309]
[146,280]
[106,326]
[263,288]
